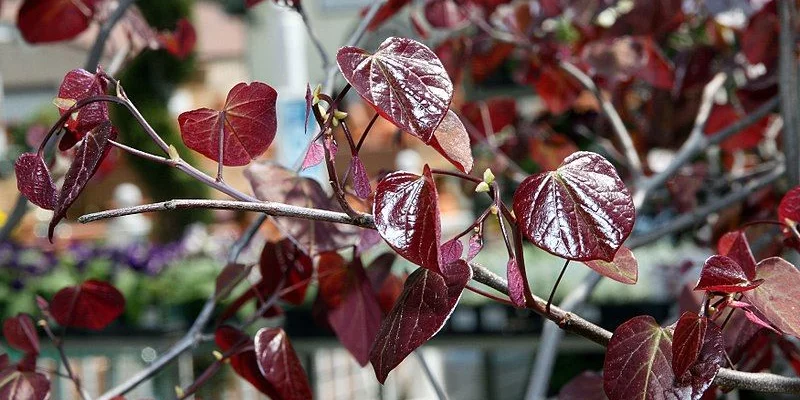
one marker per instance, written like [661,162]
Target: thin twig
[437,386]
[323,55]
[787,72]
[105,32]
[59,345]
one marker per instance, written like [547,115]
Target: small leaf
[624,268]
[284,258]
[247,122]
[20,333]
[452,141]
[43,21]
[723,274]
[35,182]
[90,154]
[244,362]
[451,250]
[181,42]
[516,283]
[92,305]
[582,211]
[789,211]
[778,298]
[687,340]
[734,245]
[309,104]
[280,365]
[475,246]
[482,187]
[360,179]
[404,81]
[406,211]
[78,85]
[426,303]
[19,385]
[586,386]
[314,156]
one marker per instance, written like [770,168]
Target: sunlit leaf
[19,385]
[35,182]
[734,245]
[778,298]
[452,141]
[91,305]
[280,365]
[624,268]
[723,274]
[78,85]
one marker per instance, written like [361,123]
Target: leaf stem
[555,287]
[457,175]
[366,132]
[141,154]
[489,295]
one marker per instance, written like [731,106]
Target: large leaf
[624,268]
[90,154]
[778,298]
[20,333]
[42,21]
[244,360]
[35,182]
[582,211]
[406,211]
[280,365]
[78,85]
[91,305]
[352,307]
[285,258]
[638,363]
[404,81]
[247,124]
[23,385]
[427,301]
[723,274]
[452,141]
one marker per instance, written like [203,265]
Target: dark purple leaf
[723,274]
[283,261]
[92,305]
[452,141]
[314,156]
[360,179]
[445,14]
[35,182]
[247,123]
[475,246]
[280,365]
[380,269]
[516,283]
[20,333]
[778,298]
[78,85]
[426,303]
[229,277]
[690,332]
[406,211]
[309,104]
[586,386]
[789,213]
[582,211]
[23,385]
[451,250]
[734,245]
[42,21]
[624,268]
[404,81]
[244,362]
[90,154]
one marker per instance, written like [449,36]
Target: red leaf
[789,212]
[723,116]
[427,301]
[276,259]
[723,274]
[621,58]
[759,41]
[687,340]
[557,89]
[638,363]
[90,154]
[516,283]
[778,298]
[244,362]
[404,81]
[445,14]
[586,386]
[353,309]
[500,112]
[406,211]
[314,156]
[179,43]
[19,385]
[92,305]
[20,333]
[582,211]
[791,353]
[387,11]
[386,285]
[451,251]
[360,179]
[247,124]
[452,141]
[78,85]
[550,151]
[658,70]
[35,182]
[280,365]
[42,21]
[624,268]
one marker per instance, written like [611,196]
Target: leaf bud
[482,187]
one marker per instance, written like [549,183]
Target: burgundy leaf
[386,285]
[360,179]
[35,182]
[789,212]
[516,283]
[78,85]
[778,298]
[499,111]
[791,352]
[748,138]
[451,250]
[352,307]
[309,104]
[247,124]
[42,21]
[586,386]
[20,333]
[558,90]
[734,245]
[406,211]
[244,362]
[624,268]
[181,42]
[92,305]
[284,258]
[367,239]
[387,11]
[314,156]
[582,211]
[280,365]
[426,303]
[404,81]
[445,14]
[452,141]
[690,332]
[23,385]
[759,40]
[229,277]
[90,154]
[723,274]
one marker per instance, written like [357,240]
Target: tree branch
[93,59]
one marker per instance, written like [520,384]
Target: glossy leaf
[778,298]
[280,365]
[427,301]
[360,178]
[624,268]
[91,305]
[582,211]
[734,245]
[20,333]
[78,85]
[244,362]
[43,21]
[404,81]
[586,386]
[284,261]
[452,141]
[247,123]
[723,274]
[687,341]
[90,154]
[23,385]
[516,283]
[352,307]
[406,211]
[35,182]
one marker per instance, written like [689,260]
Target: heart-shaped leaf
[35,182]
[406,211]
[360,178]
[582,211]
[638,363]
[78,85]
[352,307]
[452,141]
[624,268]
[778,298]
[723,274]
[734,245]
[280,365]
[244,362]
[20,333]
[404,81]
[23,385]
[42,21]
[90,154]
[285,258]
[91,305]
[426,303]
[687,340]
[247,125]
